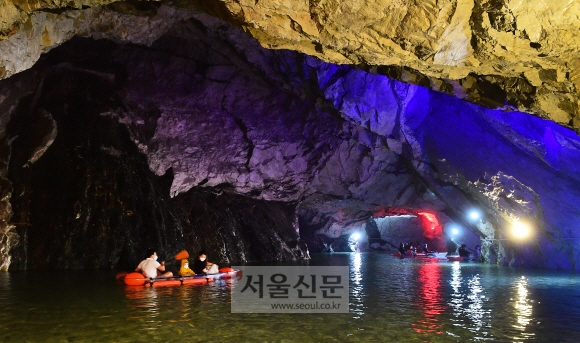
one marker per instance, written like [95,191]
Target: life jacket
[185,270]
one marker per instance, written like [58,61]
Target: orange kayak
[137,279]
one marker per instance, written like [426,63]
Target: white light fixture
[355,236]
[521,230]
[474,215]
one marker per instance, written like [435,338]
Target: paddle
[182,254]
[179,256]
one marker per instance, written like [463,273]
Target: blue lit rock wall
[514,165]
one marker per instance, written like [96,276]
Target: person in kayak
[150,268]
[402,249]
[203,266]
[185,270]
[413,249]
[463,252]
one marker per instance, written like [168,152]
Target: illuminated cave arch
[430,224]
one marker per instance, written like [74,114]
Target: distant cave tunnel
[384,230]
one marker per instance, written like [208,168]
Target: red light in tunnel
[430,217]
[432,230]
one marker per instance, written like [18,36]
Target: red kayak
[432,256]
[455,258]
[419,254]
[461,259]
[137,279]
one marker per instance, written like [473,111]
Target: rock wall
[208,108]
[516,166]
[90,200]
[519,54]
[10,97]
[396,229]
[501,54]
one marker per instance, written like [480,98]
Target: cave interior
[202,139]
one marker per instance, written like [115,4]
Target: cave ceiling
[344,108]
[501,54]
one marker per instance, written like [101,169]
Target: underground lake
[391,300]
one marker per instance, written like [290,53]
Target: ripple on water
[391,300]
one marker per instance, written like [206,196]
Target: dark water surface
[391,300]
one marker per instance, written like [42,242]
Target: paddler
[150,268]
[202,266]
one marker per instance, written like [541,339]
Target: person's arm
[138,269]
[161,266]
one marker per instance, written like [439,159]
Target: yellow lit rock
[528,48]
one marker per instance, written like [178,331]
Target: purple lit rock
[274,149]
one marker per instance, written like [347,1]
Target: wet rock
[373,234]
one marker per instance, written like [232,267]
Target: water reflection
[392,300]
[475,310]
[143,305]
[6,300]
[467,301]
[523,310]
[356,265]
[356,287]
[455,282]
[430,299]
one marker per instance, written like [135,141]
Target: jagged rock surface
[515,165]
[91,201]
[209,108]
[497,53]
[233,119]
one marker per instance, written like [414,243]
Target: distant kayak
[430,255]
[137,279]
[398,254]
[461,259]
[456,258]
